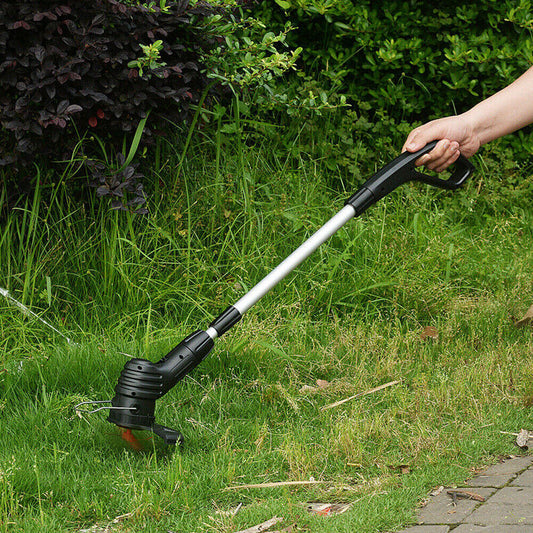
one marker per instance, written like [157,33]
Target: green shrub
[409,56]
[401,62]
[75,71]
[69,68]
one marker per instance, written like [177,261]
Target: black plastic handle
[402,170]
[463,170]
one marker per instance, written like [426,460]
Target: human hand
[455,135]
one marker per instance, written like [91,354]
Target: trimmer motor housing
[142,382]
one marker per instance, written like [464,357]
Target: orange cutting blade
[131,439]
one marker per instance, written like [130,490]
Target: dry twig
[458,494]
[359,395]
[273,485]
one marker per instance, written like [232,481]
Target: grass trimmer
[142,382]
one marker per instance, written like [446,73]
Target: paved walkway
[499,500]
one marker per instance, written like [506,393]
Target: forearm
[506,111]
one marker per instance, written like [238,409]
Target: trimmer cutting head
[133,406]
[142,382]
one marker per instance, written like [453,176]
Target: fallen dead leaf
[402,468]
[321,384]
[526,320]
[436,491]
[522,438]
[327,509]
[429,332]
[265,526]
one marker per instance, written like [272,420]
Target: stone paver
[500,474]
[508,507]
[513,496]
[426,529]
[441,508]
[471,528]
[524,480]
[492,514]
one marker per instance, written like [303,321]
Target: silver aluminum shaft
[292,261]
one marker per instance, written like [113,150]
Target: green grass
[352,315]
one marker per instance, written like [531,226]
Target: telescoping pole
[235,312]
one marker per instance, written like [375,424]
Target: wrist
[476,125]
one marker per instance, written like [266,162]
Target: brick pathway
[508,507]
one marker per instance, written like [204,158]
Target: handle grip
[463,170]
[402,170]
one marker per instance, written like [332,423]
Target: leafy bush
[400,53]
[402,61]
[68,62]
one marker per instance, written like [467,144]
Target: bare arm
[504,112]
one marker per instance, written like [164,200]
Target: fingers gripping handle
[402,170]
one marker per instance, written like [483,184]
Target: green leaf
[49,290]
[283,4]
[230,128]
[136,140]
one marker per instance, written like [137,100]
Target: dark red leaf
[39,52]
[36,128]
[102,191]
[40,16]
[128,172]
[62,106]
[98,19]
[21,24]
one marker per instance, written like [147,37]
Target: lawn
[422,290]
